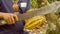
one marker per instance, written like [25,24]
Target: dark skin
[9,17]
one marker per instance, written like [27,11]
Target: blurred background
[44,24]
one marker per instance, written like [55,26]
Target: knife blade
[36,12]
[40,11]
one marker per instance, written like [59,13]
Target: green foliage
[37,3]
[58,11]
[58,0]
[51,18]
[14,1]
[33,3]
[50,1]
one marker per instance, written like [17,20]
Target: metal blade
[37,11]
[40,11]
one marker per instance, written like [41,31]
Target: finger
[12,19]
[15,17]
[7,20]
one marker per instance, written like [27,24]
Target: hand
[15,7]
[9,18]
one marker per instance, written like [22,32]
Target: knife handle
[2,22]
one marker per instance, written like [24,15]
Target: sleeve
[6,6]
[28,5]
[24,9]
[0,5]
[2,8]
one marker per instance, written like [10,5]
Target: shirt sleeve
[6,6]
[2,9]
[0,5]
[28,5]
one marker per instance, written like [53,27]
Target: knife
[36,12]
[40,11]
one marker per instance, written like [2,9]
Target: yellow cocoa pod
[34,21]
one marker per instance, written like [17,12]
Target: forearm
[1,13]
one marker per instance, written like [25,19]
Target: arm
[0,15]
[8,17]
